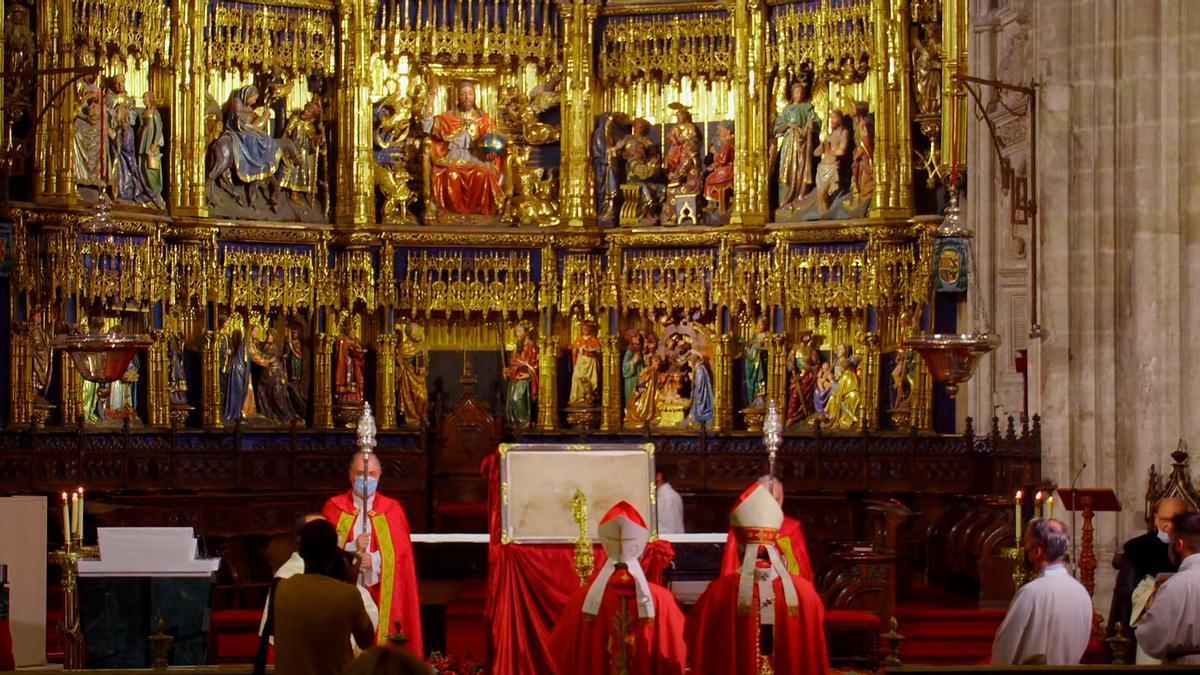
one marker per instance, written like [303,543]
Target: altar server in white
[670,504]
[1050,619]
[1170,628]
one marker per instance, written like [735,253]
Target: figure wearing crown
[761,618]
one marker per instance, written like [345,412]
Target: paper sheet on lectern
[539,481]
[147,552]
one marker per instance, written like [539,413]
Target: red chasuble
[791,544]
[720,642]
[396,592]
[616,641]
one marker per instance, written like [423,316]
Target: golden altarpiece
[628,217]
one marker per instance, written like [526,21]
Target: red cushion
[851,618]
[237,618]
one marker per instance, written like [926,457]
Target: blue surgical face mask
[1164,537]
[372,484]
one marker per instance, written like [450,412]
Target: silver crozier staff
[365,439]
[772,438]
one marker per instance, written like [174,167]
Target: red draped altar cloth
[529,585]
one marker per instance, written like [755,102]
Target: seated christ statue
[464,181]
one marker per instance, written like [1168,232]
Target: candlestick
[66,514]
[1050,506]
[1017,501]
[1039,506]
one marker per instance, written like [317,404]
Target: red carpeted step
[943,629]
[466,630]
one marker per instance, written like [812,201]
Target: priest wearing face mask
[384,549]
[1142,560]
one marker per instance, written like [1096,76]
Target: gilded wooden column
[211,381]
[71,403]
[889,84]
[751,205]
[723,380]
[610,406]
[53,161]
[158,403]
[777,371]
[20,382]
[869,382]
[189,142]
[355,180]
[385,380]
[547,406]
[578,20]
[323,382]
[955,40]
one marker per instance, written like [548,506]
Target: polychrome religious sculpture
[703,408]
[641,165]
[394,146]
[927,74]
[87,134]
[585,374]
[125,169]
[796,129]
[845,407]
[348,375]
[533,200]
[464,181]
[302,168]
[862,165]
[719,182]
[610,129]
[522,377]
[754,367]
[245,147]
[632,363]
[412,372]
[177,373]
[684,169]
[642,408]
[902,380]
[42,353]
[272,397]
[151,142]
[293,366]
[238,388]
[835,153]
[803,366]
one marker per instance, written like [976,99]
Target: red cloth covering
[720,642]
[791,544]
[7,662]
[529,585]
[616,640]
[464,187]
[390,536]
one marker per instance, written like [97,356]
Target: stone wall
[1114,373]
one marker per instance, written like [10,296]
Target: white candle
[80,516]
[1018,517]
[1050,506]
[74,513]
[1039,506]
[66,513]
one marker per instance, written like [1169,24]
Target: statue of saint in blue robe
[702,395]
[255,152]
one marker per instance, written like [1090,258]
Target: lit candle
[80,516]
[74,513]
[1038,505]
[66,510]
[1050,506]
[1017,501]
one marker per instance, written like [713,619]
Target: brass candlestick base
[160,645]
[1020,575]
[70,632]
[754,417]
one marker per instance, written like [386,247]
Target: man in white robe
[670,505]
[1050,619]
[295,565]
[1170,628]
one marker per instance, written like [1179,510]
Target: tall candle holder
[70,632]
[772,429]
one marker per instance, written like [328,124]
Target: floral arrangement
[453,665]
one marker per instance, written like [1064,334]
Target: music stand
[1088,501]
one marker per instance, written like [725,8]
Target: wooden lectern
[1088,501]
